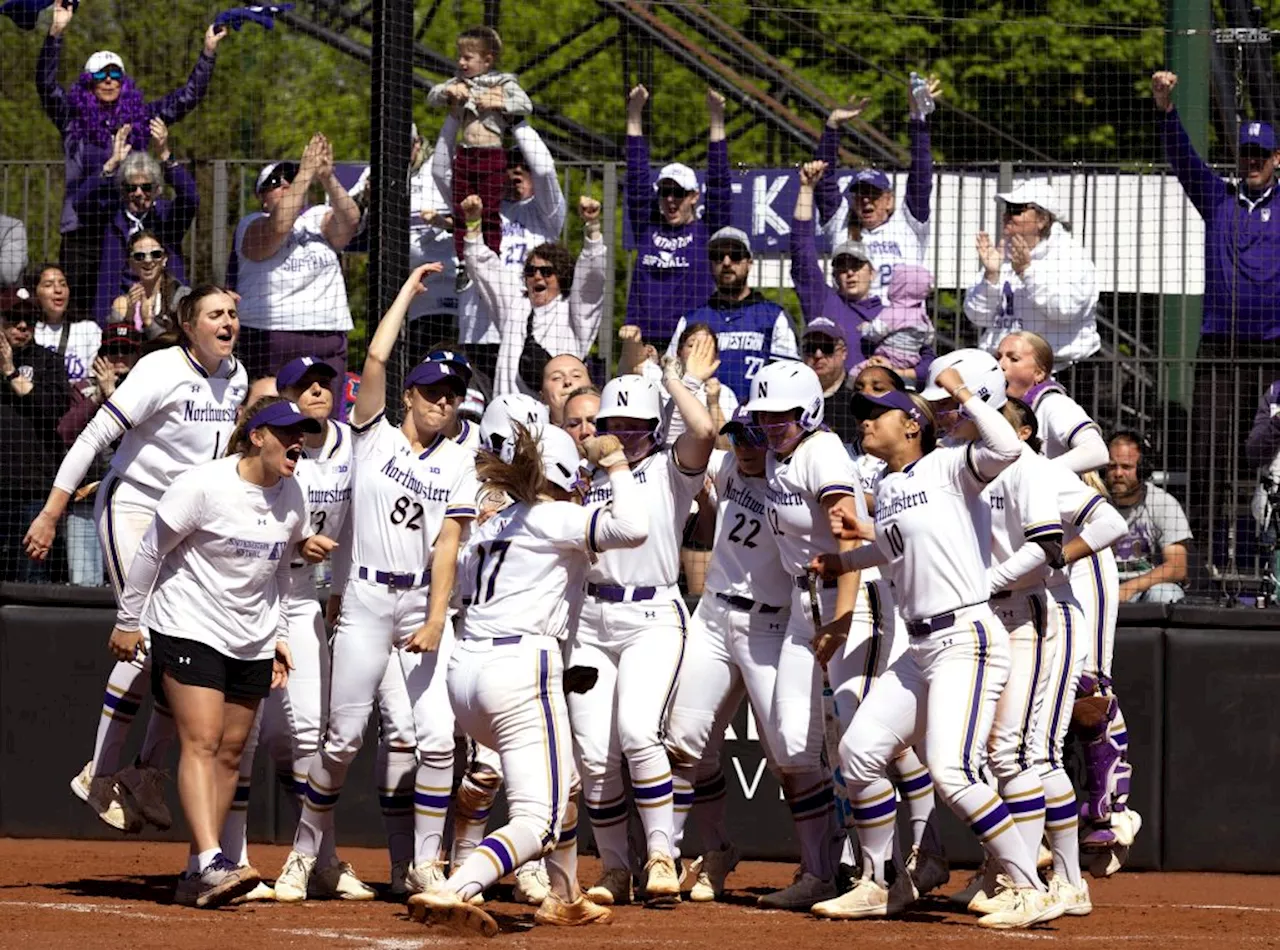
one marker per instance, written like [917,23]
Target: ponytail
[521,479]
[240,443]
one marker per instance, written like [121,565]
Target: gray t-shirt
[1155,521]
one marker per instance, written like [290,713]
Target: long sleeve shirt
[515,101]
[672,274]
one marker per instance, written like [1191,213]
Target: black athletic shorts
[192,663]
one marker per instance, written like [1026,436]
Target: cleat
[710,872]
[425,876]
[928,871]
[399,886]
[992,898]
[532,884]
[262,891]
[803,893]
[614,887]
[104,797]
[661,883]
[1075,901]
[1022,907]
[1044,857]
[338,881]
[868,898]
[145,787]
[439,906]
[220,883]
[579,913]
[295,878]
[980,886]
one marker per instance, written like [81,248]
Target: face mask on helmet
[637,441]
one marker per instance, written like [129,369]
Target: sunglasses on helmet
[110,72]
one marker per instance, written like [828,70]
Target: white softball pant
[1015,745]
[1095,583]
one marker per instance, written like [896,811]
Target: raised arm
[806,271]
[693,446]
[176,105]
[1202,185]
[586,298]
[828,192]
[53,98]
[640,202]
[920,175]
[719,197]
[343,217]
[548,198]
[267,234]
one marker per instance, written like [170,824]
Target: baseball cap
[680,173]
[292,372]
[730,236]
[1259,134]
[872,178]
[101,60]
[869,406]
[825,326]
[284,414]
[433,371]
[1038,193]
[120,336]
[851,249]
[285,171]
[455,359]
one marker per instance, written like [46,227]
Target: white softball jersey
[169,415]
[468,436]
[1023,509]
[667,492]
[325,475]
[402,497]
[797,485]
[744,558]
[1060,420]
[218,554]
[900,240]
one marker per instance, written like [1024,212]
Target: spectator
[642,360]
[433,315]
[13,250]
[672,273]
[561,376]
[579,413]
[485,103]
[868,211]
[124,200]
[533,213]
[902,332]
[151,303]
[849,303]
[56,329]
[826,353]
[1263,451]
[1152,556]
[119,351]
[1037,278]
[749,329]
[33,397]
[293,298]
[102,101]
[556,311]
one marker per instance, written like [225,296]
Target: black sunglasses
[743,436]
[735,254]
[814,348]
[281,176]
[671,191]
[141,256]
[539,270]
[145,187]
[111,72]
[847,262]
[17,325]
[1012,211]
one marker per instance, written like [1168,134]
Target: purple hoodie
[826,194]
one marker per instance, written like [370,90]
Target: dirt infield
[67,894]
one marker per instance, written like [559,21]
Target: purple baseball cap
[434,371]
[454,358]
[283,415]
[743,423]
[1258,134]
[826,327]
[871,177]
[869,406]
[291,373]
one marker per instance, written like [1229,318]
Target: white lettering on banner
[764,194]
[740,340]
[748,788]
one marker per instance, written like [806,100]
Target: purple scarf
[96,122]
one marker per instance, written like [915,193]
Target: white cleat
[661,883]
[425,876]
[1044,857]
[710,872]
[441,906]
[614,887]
[532,884]
[1075,901]
[145,786]
[806,891]
[291,886]
[992,897]
[928,871]
[869,899]
[262,891]
[1020,907]
[103,795]
[338,881]
[579,913]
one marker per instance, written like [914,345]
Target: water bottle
[921,101]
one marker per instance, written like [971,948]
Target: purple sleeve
[52,96]
[1264,436]
[77,417]
[920,177]
[927,356]
[174,107]
[719,207]
[826,194]
[1203,187]
[178,216]
[806,272]
[94,195]
[639,187]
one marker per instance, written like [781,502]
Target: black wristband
[12,376]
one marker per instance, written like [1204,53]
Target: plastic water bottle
[922,102]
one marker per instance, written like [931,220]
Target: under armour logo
[184,660]
[1266,215]
[262,521]
[650,615]
[195,387]
[1255,128]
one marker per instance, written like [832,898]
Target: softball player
[809,474]
[461,430]
[413,497]
[212,572]
[175,409]
[522,576]
[632,629]
[933,532]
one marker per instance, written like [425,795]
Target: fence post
[218,227]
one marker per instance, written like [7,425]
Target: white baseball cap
[1038,193]
[681,174]
[981,374]
[101,60]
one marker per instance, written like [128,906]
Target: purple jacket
[1264,438]
[826,194]
[87,158]
[672,274]
[97,198]
[1241,244]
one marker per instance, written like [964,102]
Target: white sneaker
[928,870]
[424,876]
[291,885]
[102,794]
[806,891]
[1044,857]
[661,883]
[262,891]
[993,898]
[869,899]
[441,906]
[399,879]
[614,887]
[1022,906]
[338,881]
[145,785]
[1075,901]
[532,884]
[713,868]
[1126,825]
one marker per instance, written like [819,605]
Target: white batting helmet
[631,397]
[788,384]
[496,432]
[981,374]
[560,460]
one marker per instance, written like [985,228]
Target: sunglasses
[749,437]
[111,72]
[141,256]
[1012,211]
[735,254]
[19,325]
[539,270]
[847,262]
[814,348]
[145,187]
[671,191]
[274,181]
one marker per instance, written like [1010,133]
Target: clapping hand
[63,11]
[120,149]
[105,375]
[1019,254]
[159,138]
[702,361]
[990,255]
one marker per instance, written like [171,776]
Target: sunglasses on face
[846,262]
[111,72]
[671,191]
[273,182]
[539,270]
[735,254]
[21,326]
[1012,211]
[141,256]
[750,437]
[820,348]
[145,187]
